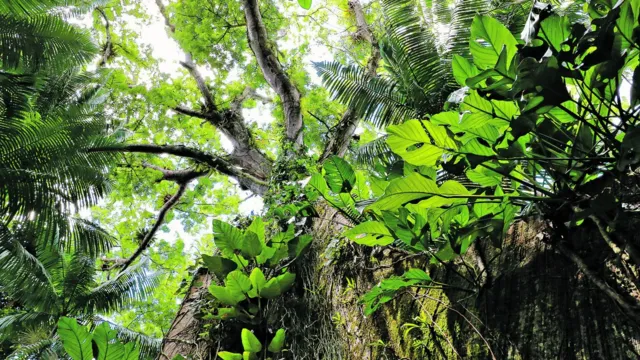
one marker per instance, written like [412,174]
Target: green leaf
[219,265]
[109,348]
[277,342]
[250,342]
[258,280]
[488,37]
[413,144]
[225,296]
[251,245]
[339,174]
[317,185]
[131,351]
[238,283]
[404,190]
[271,289]
[75,339]
[247,355]
[227,238]
[257,227]
[370,233]
[416,274]
[286,281]
[225,355]
[555,30]
[305,4]
[463,69]
[297,246]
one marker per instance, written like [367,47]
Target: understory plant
[545,129]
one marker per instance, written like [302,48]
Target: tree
[53,284]
[50,114]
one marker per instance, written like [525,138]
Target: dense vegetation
[392,179]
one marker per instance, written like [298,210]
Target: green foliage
[246,291]
[540,125]
[102,344]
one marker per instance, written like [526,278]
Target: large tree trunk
[525,300]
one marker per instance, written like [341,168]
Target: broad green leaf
[404,190]
[450,192]
[266,255]
[131,351]
[555,30]
[225,296]
[305,4]
[250,342]
[404,140]
[299,244]
[219,265]
[271,289]
[257,226]
[286,281]
[238,283]
[251,245]
[258,281]
[370,233]
[318,185]
[277,342]
[225,355]
[484,177]
[339,174]
[416,274]
[227,238]
[109,348]
[75,339]
[248,355]
[463,69]
[488,37]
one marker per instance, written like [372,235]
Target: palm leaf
[374,98]
[149,346]
[373,151]
[42,41]
[134,284]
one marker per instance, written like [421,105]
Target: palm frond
[42,41]
[149,346]
[25,277]
[377,99]
[10,324]
[462,14]
[415,54]
[32,350]
[374,151]
[134,284]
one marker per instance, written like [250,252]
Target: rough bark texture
[534,304]
[264,51]
[182,337]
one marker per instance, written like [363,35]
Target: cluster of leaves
[100,344]
[543,129]
[249,273]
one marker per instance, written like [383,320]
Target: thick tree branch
[146,241]
[342,134]
[107,50]
[248,93]
[246,179]
[255,166]
[177,176]
[264,51]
